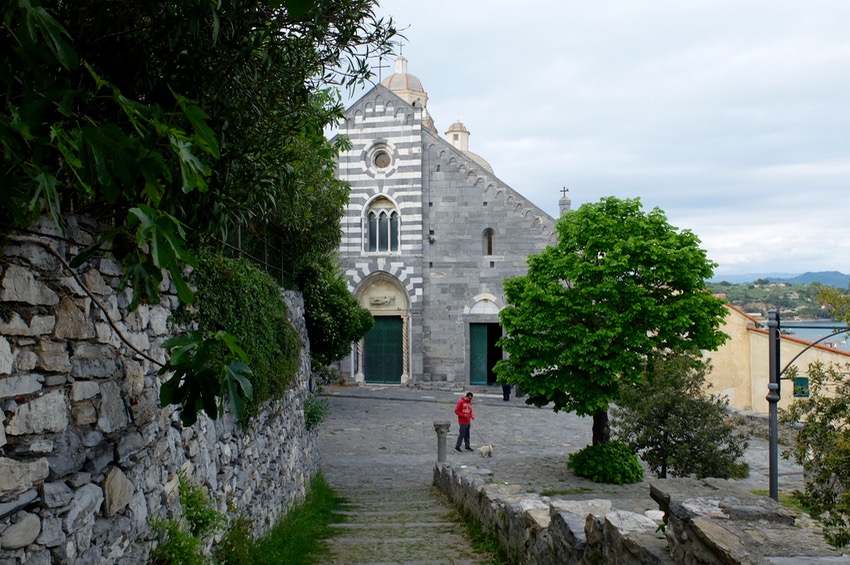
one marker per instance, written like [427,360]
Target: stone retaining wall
[87,456]
[708,521]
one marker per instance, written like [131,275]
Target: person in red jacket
[463,409]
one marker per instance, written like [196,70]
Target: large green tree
[174,121]
[619,286]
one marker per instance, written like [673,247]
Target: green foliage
[837,302]
[237,546]
[297,539]
[238,299]
[201,517]
[619,285]
[175,121]
[176,546]
[611,462]
[182,541]
[823,448]
[334,318]
[199,376]
[674,425]
[315,411]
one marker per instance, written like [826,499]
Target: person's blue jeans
[463,435]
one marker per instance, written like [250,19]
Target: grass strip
[299,538]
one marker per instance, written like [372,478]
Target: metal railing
[268,255]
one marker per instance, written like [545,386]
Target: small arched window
[487,240]
[382,227]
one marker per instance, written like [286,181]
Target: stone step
[411,526]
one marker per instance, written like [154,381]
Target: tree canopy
[173,122]
[619,285]
[178,120]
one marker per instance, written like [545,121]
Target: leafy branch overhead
[175,122]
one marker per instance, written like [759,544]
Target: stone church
[429,234]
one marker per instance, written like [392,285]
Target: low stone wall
[87,456]
[708,521]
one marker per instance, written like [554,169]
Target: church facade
[429,234]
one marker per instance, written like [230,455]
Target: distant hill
[829,278]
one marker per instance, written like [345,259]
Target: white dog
[486,450]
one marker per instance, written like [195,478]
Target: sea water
[823,328]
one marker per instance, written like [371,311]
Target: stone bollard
[442,429]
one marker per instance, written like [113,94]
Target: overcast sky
[732,116]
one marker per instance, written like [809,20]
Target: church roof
[479,160]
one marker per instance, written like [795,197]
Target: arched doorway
[383,352]
[484,331]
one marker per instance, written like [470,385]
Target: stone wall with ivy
[88,459]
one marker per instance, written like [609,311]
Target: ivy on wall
[234,296]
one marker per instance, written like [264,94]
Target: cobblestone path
[379,447]
[379,455]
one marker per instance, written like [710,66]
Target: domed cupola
[458,135]
[407,86]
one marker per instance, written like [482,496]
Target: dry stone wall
[698,521]
[87,456]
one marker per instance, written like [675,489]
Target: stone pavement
[378,444]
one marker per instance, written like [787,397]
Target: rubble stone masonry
[87,456]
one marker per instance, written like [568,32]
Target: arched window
[487,241]
[382,227]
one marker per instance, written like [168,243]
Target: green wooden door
[478,354]
[382,351]
[483,353]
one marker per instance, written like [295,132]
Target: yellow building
[740,368]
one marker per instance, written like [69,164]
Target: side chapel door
[383,350]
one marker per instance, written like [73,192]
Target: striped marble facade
[447,201]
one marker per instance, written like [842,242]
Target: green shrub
[822,447]
[201,516]
[238,547]
[315,411]
[610,462]
[181,541]
[670,420]
[332,314]
[236,297]
[175,545]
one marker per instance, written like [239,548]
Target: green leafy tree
[670,420]
[836,301]
[334,318]
[175,121]
[822,447]
[619,286]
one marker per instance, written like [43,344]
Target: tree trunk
[601,433]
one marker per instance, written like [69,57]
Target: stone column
[359,377]
[405,348]
[442,429]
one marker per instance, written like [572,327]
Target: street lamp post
[773,397]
